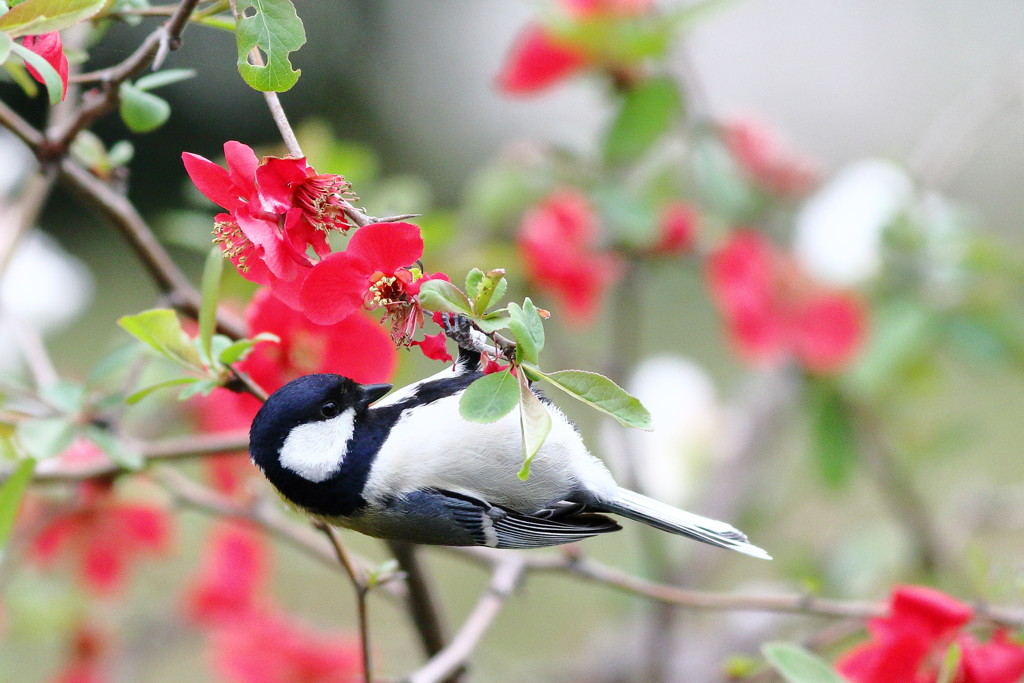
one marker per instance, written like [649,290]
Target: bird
[406,466]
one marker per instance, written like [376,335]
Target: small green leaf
[11,492]
[89,150]
[492,322]
[832,436]
[646,114]
[798,665]
[146,391]
[120,154]
[45,437]
[483,288]
[33,17]
[241,348]
[601,393]
[114,448]
[208,305]
[160,330]
[950,664]
[528,329]
[203,386]
[535,422]
[65,396]
[439,295]
[165,77]
[142,111]
[490,398]
[272,27]
[52,80]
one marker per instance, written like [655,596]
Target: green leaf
[490,398]
[114,448]
[203,386]
[65,396]
[601,393]
[832,437]
[121,152]
[272,27]
[483,288]
[528,329]
[166,77]
[492,322]
[646,114]
[34,17]
[142,111]
[212,271]
[160,330]
[439,295]
[146,391]
[45,437]
[535,423]
[52,80]
[89,150]
[11,492]
[240,349]
[798,665]
[5,47]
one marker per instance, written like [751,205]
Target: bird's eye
[329,409]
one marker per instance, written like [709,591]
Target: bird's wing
[499,527]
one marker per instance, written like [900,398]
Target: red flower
[998,661]
[543,55]
[677,229]
[104,536]
[270,647]
[774,311]
[768,160]
[49,47]
[232,577]
[89,647]
[278,209]
[557,241]
[909,644]
[373,272]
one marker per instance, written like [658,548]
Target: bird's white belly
[433,447]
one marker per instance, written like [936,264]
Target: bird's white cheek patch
[315,451]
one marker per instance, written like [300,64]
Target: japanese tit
[409,467]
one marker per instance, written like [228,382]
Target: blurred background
[402,96]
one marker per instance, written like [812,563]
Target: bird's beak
[372,392]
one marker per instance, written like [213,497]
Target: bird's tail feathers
[659,515]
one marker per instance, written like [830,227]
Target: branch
[507,574]
[423,608]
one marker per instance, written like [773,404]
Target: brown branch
[506,577]
[423,608]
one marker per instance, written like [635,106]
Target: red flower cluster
[775,312]
[251,641]
[677,229]
[910,644]
[767,160]
[49,47]
[557,240]
[104,536]
[545,54]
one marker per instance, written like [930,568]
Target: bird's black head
[303,429]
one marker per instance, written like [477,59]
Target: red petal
[360,349]
[232,577]
[275,182]
[335,287]
[242,164]
[829,332]
[536,62]
[387,246]
[212,180]
[929,612]
[103,565]
[677,228]
[999,661]
[434,347]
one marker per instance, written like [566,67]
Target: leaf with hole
[272,28]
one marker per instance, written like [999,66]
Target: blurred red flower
[49,47]
[677,229]
[232,577]
[774,311]
[89,647]
[270,647]
[278,208]
[909,645]
[548,52]
[104,537]
[557,240]
[767,159]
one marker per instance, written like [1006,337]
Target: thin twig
[423,607]
[359,582]
[506,576]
